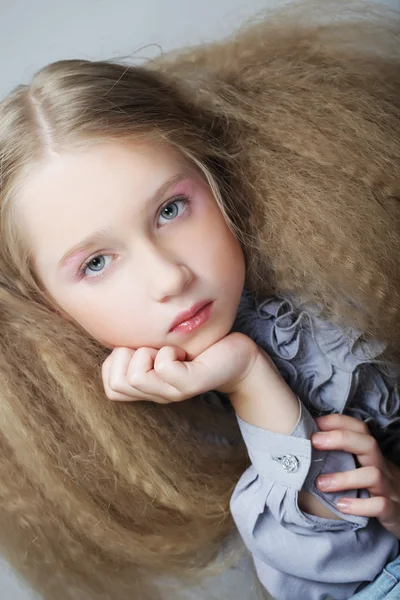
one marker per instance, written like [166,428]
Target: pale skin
[170,247]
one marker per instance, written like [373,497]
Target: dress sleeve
[296,554]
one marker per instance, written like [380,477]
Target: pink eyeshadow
[75,258]
[184,187]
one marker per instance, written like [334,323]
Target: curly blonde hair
[295,123]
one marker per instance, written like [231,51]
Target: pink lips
[191,319]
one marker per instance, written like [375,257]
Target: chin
[202,343]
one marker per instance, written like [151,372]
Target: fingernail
[343,504]
[320,439]
[325,481]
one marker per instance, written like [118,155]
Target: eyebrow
[101,234]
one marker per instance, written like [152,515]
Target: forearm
[266,401]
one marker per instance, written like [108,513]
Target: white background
[36,32]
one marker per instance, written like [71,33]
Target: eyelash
[85,265]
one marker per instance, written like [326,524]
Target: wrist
[260,374]
[243,354]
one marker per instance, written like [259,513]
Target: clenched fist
[164,376]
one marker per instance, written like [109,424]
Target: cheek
[108,326]
[91,316]
[209,231]
[116,318]
[220,246]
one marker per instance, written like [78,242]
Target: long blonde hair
[295,123]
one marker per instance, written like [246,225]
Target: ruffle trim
[331,371]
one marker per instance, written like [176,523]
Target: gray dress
[297,555]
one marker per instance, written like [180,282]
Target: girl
[270,161]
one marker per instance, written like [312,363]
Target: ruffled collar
[329,369]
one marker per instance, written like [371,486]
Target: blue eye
[93,266]
[173,209]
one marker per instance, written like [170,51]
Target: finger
[369,478]
[142,377]
[335,421]
[109,367]
[170,354]
[380,507]
[115,381]
[364,446]
[171,368]
[142,360]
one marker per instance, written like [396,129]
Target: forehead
[82,170]
[69,181]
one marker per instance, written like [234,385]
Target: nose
[166,274]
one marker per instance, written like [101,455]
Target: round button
[288,462]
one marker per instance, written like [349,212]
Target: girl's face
[125,239]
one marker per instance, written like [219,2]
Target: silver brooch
[288,462]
